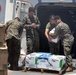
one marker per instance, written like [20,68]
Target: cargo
[2,33]
[3,72]
[57,62]
[52,32]
[3,58]
[32,59]
[45,61]
[21,61]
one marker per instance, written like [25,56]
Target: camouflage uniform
[54,47]
[64,32]
[13,42]
[31,33]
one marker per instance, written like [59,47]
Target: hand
[50,38]
[50,33]
[24,25]
[33,25]
[27,25]
[2,25]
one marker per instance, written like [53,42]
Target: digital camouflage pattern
[63,31]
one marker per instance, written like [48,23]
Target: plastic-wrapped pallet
[32,60]
[45,61]
[56,62]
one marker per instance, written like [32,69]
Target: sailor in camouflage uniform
[63,31]
[13,42]
[54,47]
[31,24]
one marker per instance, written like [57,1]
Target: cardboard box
[57,62]
[3,58]
[45,61]
[32,59]
[2,33]
[3,72]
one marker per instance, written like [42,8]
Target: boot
[69,69]
[24,70]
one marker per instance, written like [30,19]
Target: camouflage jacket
[63,31]
[50,26]
[26,21]
[12,27]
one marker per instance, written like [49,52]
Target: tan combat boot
[69,69]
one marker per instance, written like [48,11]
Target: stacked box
[57,62]
[3,72]
[32,59]
[3,51]
[45,61]
[2,33]
[3,60]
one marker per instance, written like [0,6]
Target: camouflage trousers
[36,44]
[29,45]
[67,45]
[54,47]
[32,45]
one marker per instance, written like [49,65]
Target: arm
[8,24]
[47,35]
[24,22]
[47,32]
[36,25]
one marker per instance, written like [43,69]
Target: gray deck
[46,72]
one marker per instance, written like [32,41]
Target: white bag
[21,61]
[54,40]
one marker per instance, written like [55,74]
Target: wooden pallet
[3,72]
[42,70]
[63,70]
